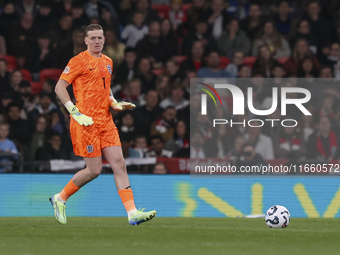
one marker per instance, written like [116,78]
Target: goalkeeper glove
[82,119]
[122,106]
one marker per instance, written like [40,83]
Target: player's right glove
[82,119]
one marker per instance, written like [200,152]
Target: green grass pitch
[101,236]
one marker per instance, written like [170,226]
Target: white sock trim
[130,213]
[60,200]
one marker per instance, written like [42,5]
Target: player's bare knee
[119,166]
[94,173]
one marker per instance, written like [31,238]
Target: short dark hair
[129,49]
[154,137]
[93,27]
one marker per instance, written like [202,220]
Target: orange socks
[126,196]
[68,190]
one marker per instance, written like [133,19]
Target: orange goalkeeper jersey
[91,79]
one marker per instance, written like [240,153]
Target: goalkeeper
[92,129]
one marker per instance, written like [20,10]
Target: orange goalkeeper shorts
[89,141]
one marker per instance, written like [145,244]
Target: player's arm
[120,106]
[64,97]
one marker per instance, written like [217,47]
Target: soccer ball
[277,216]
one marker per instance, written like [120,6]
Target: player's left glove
[121,106]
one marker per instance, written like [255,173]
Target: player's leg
[114,156]
[92,170]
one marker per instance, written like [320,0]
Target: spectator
[78,42]
[153,45]
[15,78]
[148,113]
[165,125]
[289,144]
[127,127]
[213,69]
[4,77]
[320,27]
[141,145]
[219,145]
[303,32]
[199,10]
[237,60]
[283,19]
[262,143]
[196,148]
[253,23]
[145,74]
[61,39]
[218,18]
[20,129]
[199,34]
[250,157]
[265,62]
[6,145]
[128,68]
[136,31]
[172,70]
[180,138]
[278,45]
[176,14]
[26,6]
[22,37]
[195,61]
[157,148]
[300,52]
[8,20]
[236,151]
[168,35]
[109,21]
[160,168]
[95,8]
[28,101]
[243,71]
[49,86]
[192,109]
[38,138]
[307,69]
[134,95]
[45,106]
[79,18]
[233,40]
[190,74]
[129,152]
[333,58]
[46,19]
[64,6]
[203,124]
[176,99]
[162,86]
[113,48]
[42,56]
[53,149]
[323,143]
[150,15]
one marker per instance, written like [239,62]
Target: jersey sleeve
[72,70]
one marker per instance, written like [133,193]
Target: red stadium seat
[36,87]
[52,73]
[162,9]
[224,61]
[158,71]
[12,63]
[26,75]
[249,61]
[179,59]
[282,60]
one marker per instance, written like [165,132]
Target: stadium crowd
[156,47]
